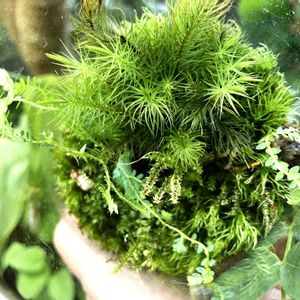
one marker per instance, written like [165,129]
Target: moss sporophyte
[158,131]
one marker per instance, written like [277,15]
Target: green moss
[159,125]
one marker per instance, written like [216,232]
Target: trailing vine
[272,145]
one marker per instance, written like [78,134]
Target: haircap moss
[170,109]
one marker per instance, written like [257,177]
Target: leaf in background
[31,285]
[126,178]
[250,279]
[14,161]
[255,275]
[61,286]
[290,272]
[294,197]
[14,250]
[25,259]
[47,223]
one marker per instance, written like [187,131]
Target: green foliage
[202,276]
[289,272]
[178,245]
[61,286]
[25,175]
[251,279]
[33,271]
[271,144]
[30,285]
[34,274]
[255,275]
[132,186]
[126,177]
[13,186]
[24,259]
[182,100]
[27,209]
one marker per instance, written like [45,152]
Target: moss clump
[160,121]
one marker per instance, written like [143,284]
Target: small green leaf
[14,250]
[125,177]
[276,150]
[112,206]
[199,250]
[261,146]
[61,286]
[26,259]
[204,262]
[210,247]
[212,262]
[167,216]
[194,279]
[178,246]
[269,162]
[279,176]
[272,138]
[292,185]
[283,166]
[194,236]
[31,285]
[294,170]
[290,272]
[200,270]
[275,167]
[296,176]
[208,276]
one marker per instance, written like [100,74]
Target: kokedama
[172,142]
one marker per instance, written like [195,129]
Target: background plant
[28,213]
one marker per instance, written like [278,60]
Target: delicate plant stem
[156,215]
